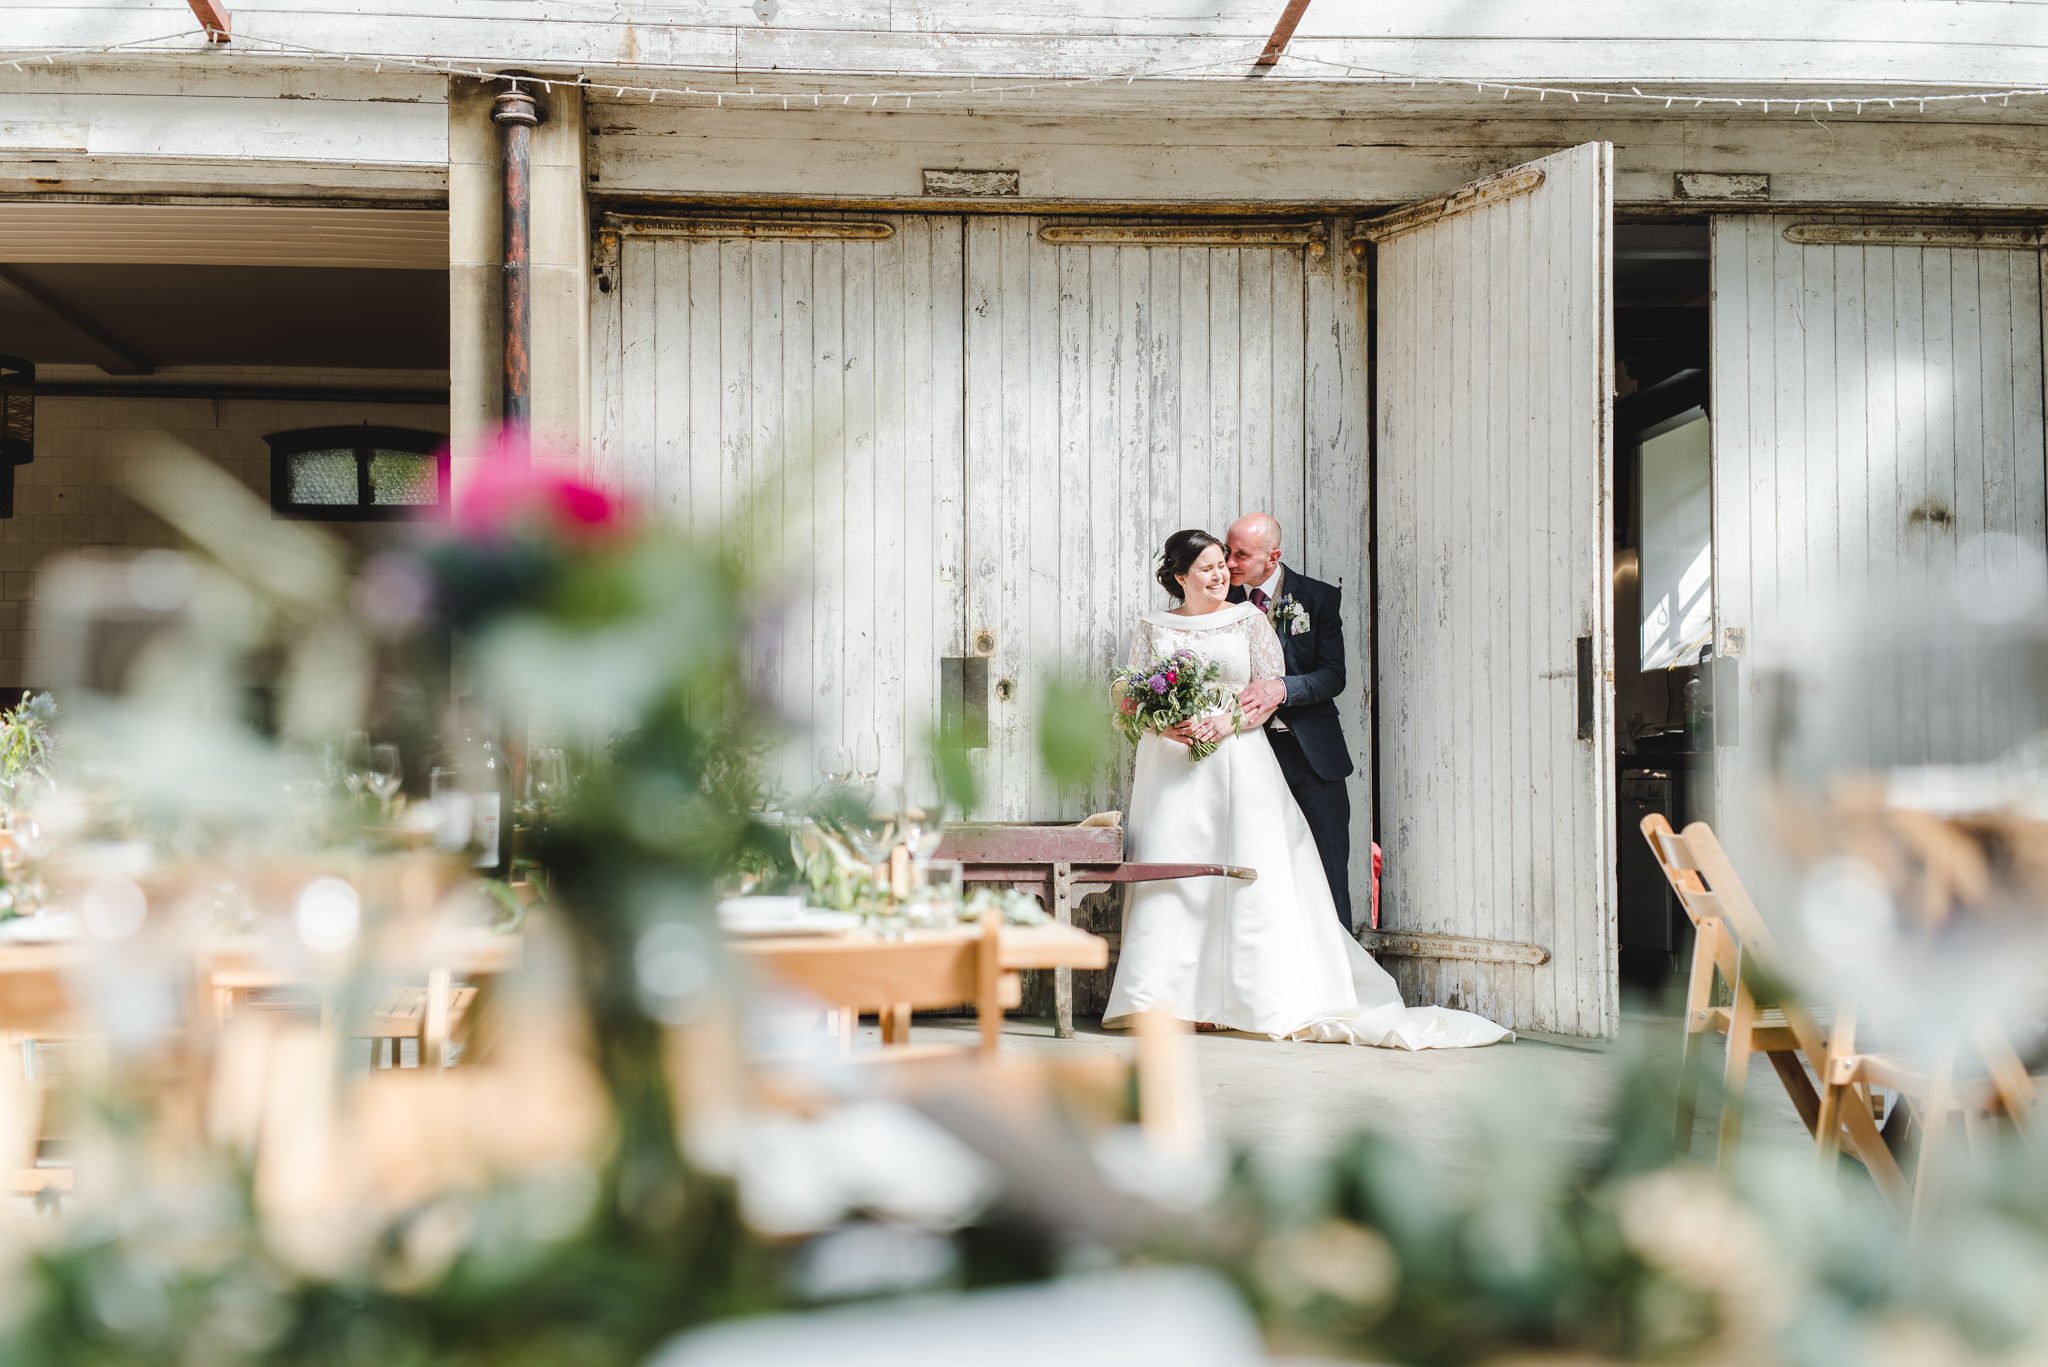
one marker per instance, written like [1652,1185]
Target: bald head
[1259,528]
[1253,546]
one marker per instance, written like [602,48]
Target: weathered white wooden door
[1126,380]
[1492,508]
[797,381]
[1877,409]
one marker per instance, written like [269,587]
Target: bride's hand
[1181,731]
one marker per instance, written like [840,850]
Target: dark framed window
[358,474]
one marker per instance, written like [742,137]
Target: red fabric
[1375,885]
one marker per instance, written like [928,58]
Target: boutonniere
[1289,612]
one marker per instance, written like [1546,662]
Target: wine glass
[835,764]
[548,774]
[873,819]
[923,827]
[451,806]
[383,775]
[867,756]
[355,762]
[936,900]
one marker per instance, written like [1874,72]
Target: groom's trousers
[1327,806]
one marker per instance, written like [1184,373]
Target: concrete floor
[1286,1098]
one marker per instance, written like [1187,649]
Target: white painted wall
[255,119]
[1736,40]
[175,122]
[1373,155]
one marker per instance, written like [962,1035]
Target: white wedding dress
[1268,957]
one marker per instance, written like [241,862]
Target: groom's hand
[1261,699]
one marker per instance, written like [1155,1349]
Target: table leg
[896,1023]
[434,1022]
[1063,978]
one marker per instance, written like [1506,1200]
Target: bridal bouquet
[1168,692]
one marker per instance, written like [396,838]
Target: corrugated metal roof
[222,235]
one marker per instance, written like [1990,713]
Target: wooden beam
[1283,32]
[1417,944]
[254,393]
[108,353]
[1519,180]
[213,17]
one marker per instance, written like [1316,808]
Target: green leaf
[954,767]
[1075,740]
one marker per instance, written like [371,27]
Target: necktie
[1258,597]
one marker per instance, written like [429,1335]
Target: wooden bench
[1059,865]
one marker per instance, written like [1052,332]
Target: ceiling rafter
[213,17]
[1283,32]
[105,351]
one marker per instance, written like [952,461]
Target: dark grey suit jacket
[1315,671]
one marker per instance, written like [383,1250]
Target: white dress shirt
[1271,588]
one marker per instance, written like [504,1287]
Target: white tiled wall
[88,452]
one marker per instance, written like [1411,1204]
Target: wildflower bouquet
[26,747]
[1170,691]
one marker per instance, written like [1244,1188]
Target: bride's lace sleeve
[1267,661]
[1140,650]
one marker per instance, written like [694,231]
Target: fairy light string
[193,42]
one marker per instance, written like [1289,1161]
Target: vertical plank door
[1493,564]
[795,383]
[1125,380]
[1877,426]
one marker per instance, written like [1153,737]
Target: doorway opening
[283,346]
[1663,574]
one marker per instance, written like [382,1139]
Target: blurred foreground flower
[509,494]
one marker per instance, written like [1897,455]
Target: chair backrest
[1729,898]
[1707,886]
[34,997]
[1681,868]
[1759,948]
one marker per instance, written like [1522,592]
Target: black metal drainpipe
[516,113]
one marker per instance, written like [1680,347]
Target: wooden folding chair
[1733,946]
[410,1013]
[433,1016]
[35,1007]
[1934,866]
[1930,1089]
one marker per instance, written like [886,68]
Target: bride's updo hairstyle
[1183,549]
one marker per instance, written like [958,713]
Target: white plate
[800,921]
[47,928]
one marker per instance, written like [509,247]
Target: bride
[1269,957]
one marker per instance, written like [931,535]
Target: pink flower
[506,494]
[1172,677]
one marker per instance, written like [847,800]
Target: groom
[1299,711]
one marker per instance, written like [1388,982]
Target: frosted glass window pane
[1678,542]
[324,478]
[404,478]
